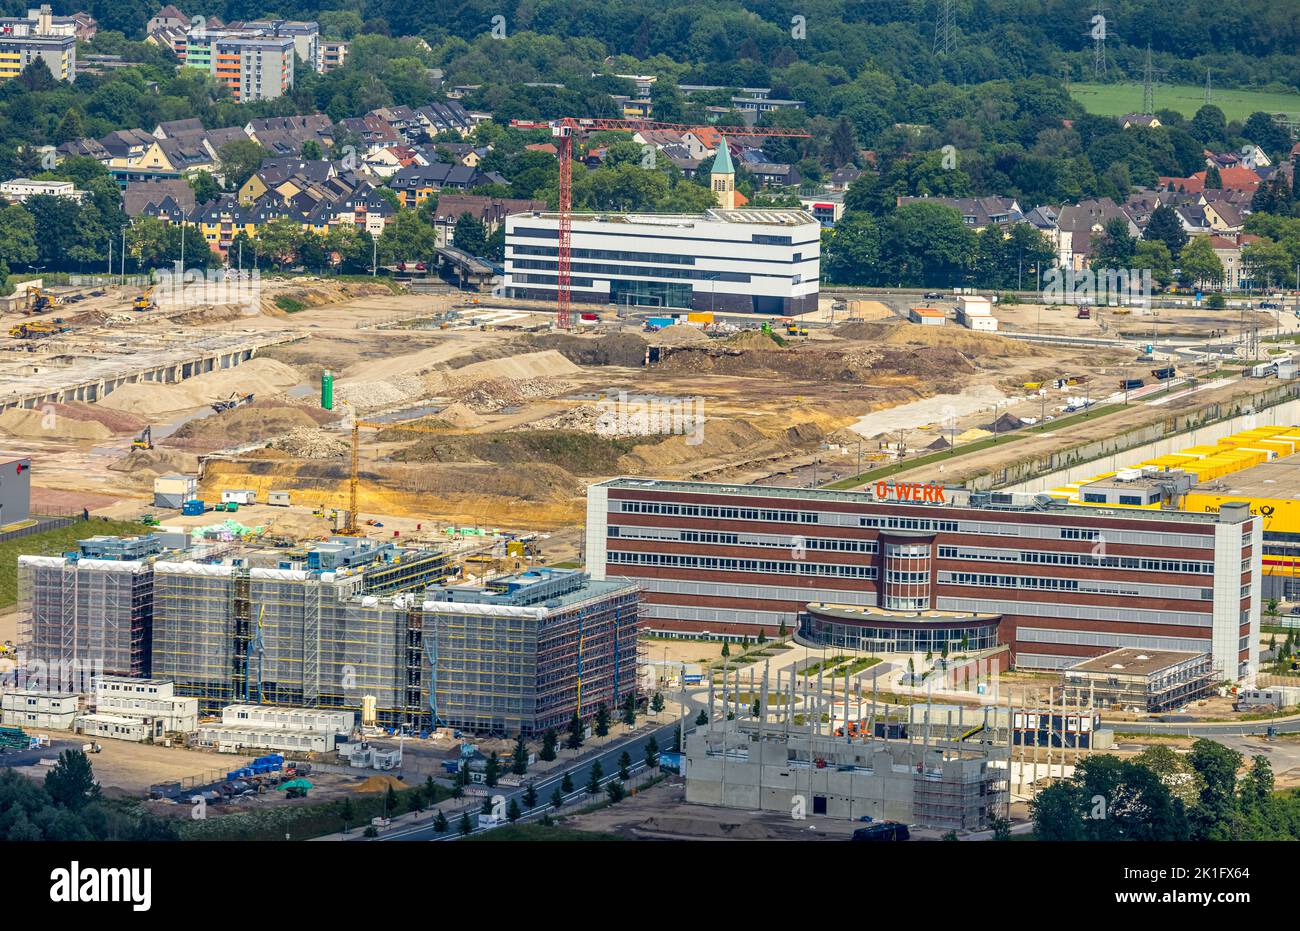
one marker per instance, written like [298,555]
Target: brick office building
[881,569]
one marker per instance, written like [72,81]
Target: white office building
[152,701]
[728,260]
[37,708]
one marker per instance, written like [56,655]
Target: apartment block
[39,35]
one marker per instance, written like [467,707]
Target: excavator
[144,301]
[144,440]
[41,300]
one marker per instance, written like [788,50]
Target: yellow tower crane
[351,529]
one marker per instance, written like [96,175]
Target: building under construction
[351,620]
[948,780]
[89,607]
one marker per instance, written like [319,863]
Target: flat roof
[1277,478]
[862,497]
[764,216]
[871,612]
[1133,662]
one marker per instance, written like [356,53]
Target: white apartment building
[764,261]
[39,708]
[18,190]
[151,701]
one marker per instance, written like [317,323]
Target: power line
[1100,24]
[944,27]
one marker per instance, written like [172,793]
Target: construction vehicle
[229,404]
[144,440]
[1032,385]
[1085,313]
[38,329]
[144,301]
[795,329]
[41,300]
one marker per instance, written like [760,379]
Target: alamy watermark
[1121,286]
[626,415]
[193,287]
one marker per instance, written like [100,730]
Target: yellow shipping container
[704,317]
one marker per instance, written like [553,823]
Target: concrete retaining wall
[1277,406]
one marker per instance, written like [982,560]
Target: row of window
[1078,559]
[1084,586]
[591,268]
[735,539]
[617,255]
[907,523]
[700,510]
[741,565]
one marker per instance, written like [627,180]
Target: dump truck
[37,329]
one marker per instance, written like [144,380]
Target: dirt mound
[116,421]
[545,364]
[701,827]
[260,376]
[147,464]
[751,339]
[623,349]
[368,395]
[460,416]
[677,335]
[378,784]
[972,344]
[938,365]
[248,423]
[574,451]
[38,424]
[310,443]
[492,394]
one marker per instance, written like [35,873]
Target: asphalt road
[580,772]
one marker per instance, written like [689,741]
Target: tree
[1113,247]
[1267,262]
[1165,227]
[726,650]
[492,771]
[512,811]
[17,236]
[415,800]
[485,807]
[566,784]
[843,145]
[1001,828]
[347,814]
[70,127]
[602,720]
[852,255]
[1216,807]
[470,235]
[238,160]
[652,752]
[629,710]
[408,237]
[576,731]
[625,766]
[311,150]
[762,637]
[71,781]
[616,791]
[279,240]
[657,703]
[205,187]
[1213,180]
[390,802]
[557,798]
[549,740]
[530,796]
[1198,263]
[1154,255]
[440,822]
[593,781]
[519,759]
[926,244]
[702,718]
[464,825]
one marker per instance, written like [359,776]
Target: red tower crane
[563,131]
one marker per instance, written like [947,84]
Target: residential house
[171,200]
[286,177]
[1228,249]
[490,211]
[169,17]
[17,190]
[128,154]
[415,183]
[976,212]
[373,132]
[1237,178]
[1080,222]
[333,54]
[172,128]
[842,178]
[445,116]
[1143,120]
[285,135]
[1224,216]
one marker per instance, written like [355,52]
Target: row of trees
[1161,795]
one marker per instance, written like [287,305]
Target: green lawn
[1118,99]
[52,543]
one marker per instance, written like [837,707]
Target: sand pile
[750,339]
[246,424]
[545,364]
[264,377]
[677,336]
[460,416]
[310,443]
[36,424]
[367,395]
[622,349]
[147,464]
[970,343]
[492,394]
[378,784]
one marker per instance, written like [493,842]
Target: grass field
[1118,99]
[51,543]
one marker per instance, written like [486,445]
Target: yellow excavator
[40,300]
[144,440]
[144,301]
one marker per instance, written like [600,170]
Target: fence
[42,524]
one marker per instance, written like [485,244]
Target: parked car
[934,295]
